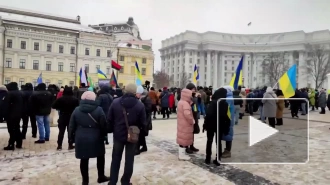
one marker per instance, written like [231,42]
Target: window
[121,69]
[86,68]
[48,66]
[72,67]
[108,69]
[23,45]
[7,81]
[98,52]
[122,58]
[225,67]
[144,71]
[35,65]
[198,54]
[49,48]
[60,66]
[87,51]
[109,53]
[144,61]
[232,68]
[184,60]
[225,80]
[47,82]
[226,62]
[60,83]
[73,50]
[22,64]
[97,67]
[232,56]
[36,46]
[21,82]
[8,63]
[191,53]
[60,49]
[190,60]
[71,83]
[232,62]
[9,43]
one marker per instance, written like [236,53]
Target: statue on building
[135,28]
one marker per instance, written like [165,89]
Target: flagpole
[275,84]
[117,62]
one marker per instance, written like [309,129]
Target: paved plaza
[43,165]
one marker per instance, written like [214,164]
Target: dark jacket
[211,121]
[3,93]
[13,103]
[136,116]
[27,92]
[76,92]
[53,91]
[41,101]
[105,99]
[81,91]
[116,93]
[66,105]
[164,98]
[89,135]
[237,101]
[148,108]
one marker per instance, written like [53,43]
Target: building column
[302,75]
[221,74]
[201,68]
[215,71]
[208,72]
[245,70]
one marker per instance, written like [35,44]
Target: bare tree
[184,80]
[317,63]
[274,66]
[161,79]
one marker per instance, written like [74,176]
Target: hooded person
[88,127]
[41,102]
[229,137]
[194,109]
[3,93]
[27,112]
[65,105]
[164,102]
[270,106]
[142,145]
[14,104]
[185,124]
[213,117]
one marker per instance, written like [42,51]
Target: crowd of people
[89,114]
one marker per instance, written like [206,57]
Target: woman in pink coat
[185,121]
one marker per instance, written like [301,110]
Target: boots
[182,154]
[208,160]
[226,154]
[9,147]
[59,148]
[215,162]
[103,179]
[192,148]
[70,146]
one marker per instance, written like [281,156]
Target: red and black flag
[115,65]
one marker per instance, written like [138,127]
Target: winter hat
[3,88]
[164,88]
[191,86]
[88,95]
[131,88]
[139,89]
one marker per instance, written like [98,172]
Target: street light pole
[117,62]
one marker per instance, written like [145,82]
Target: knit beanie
[88,95]
[191,86]
[139,89]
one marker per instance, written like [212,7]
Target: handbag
[133,132]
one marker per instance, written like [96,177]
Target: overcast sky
[161,19]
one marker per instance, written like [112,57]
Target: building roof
[24,18]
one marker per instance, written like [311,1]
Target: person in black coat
[105,100]
[27,112]
[65,105]
[13,104]
[211,123]
[3,93]
[41,102]
[115,92]
[88,127]
[136,116]
[295,104]
[142,137]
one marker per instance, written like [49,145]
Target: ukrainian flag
[287,82]
[196,75]
[238,76]
[138,73]
[101,75]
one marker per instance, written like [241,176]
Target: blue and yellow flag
[196,75]
[288,83]
[238,76]
[101,75]
[138,73]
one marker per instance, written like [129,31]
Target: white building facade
[32,43]
[218,54]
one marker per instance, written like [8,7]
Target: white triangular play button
[259,131]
